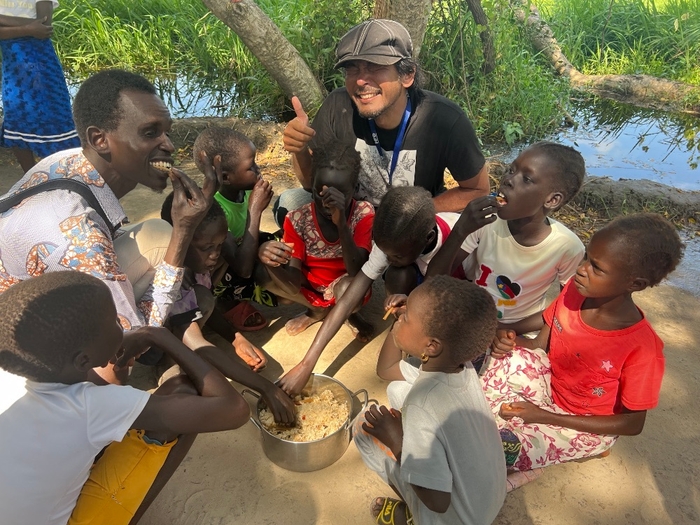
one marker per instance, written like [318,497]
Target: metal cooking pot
[312,455]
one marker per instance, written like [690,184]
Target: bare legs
[25,157]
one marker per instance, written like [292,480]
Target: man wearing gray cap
[406,136]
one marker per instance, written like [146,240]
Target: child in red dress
[325,242]
[596,366]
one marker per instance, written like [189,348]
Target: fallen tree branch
[640,90]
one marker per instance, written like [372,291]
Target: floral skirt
[525,376]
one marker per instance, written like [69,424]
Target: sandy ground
[227,479]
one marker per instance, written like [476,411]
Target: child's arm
[229,252]
[478,213]
[244,261]
[629,423]
[531,323]
[294,380]
[37,28]
[218,406]
[353,256]
[505,340]
[282,268]
[280,404]
[385,425]
[390,356]
[44,11]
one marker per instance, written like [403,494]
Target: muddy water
[687,275]
[624,142]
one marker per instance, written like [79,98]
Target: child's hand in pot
[280,404]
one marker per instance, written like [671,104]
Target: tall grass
[165,38]
[522,98]
[656,37]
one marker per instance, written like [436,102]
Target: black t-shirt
[439,135]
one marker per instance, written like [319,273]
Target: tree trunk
[412,14]
[382,9]
[640,90]
[489,50]
[271,48]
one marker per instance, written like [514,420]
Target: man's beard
[373,114]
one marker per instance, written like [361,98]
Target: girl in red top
[325,242]
[602,363]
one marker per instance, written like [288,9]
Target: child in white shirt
[442,453]
[56,414]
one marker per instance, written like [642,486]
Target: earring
[424,357]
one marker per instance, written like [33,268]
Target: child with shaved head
[54,420]
[441,453]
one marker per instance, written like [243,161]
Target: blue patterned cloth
[36,102]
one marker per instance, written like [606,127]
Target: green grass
[162,39]
[522,99]
[654,37]
[165,38]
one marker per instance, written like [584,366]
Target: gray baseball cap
[378,41]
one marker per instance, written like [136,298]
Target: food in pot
[317,415]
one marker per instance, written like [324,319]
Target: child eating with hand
[595,368]
[243,196]
[407,234]
[56,415]
[325,242]
[196,308]
[509,244]
[441,453]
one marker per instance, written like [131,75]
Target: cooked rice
[317,416]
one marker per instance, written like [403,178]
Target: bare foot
[300,323]
[390,511]
[362,329]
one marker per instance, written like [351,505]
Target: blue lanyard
[398,143]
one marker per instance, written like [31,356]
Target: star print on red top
[584,379]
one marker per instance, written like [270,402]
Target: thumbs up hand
[297,133]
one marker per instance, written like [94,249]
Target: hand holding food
[275,253]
